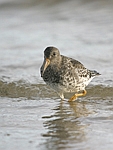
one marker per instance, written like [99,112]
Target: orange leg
[74,97]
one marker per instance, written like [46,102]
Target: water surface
[32,116]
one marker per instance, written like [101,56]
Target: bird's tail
[94,73]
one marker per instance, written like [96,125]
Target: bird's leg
[74,97]
[82,94]
[61,96]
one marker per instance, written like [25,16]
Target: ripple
[28,90]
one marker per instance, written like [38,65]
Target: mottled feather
[64,74]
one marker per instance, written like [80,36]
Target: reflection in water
[65,127]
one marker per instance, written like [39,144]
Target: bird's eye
[54,54]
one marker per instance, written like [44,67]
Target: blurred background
[81,29]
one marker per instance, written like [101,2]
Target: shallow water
[32,116]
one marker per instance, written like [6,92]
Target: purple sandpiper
[64,74]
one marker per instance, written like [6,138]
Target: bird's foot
[74,97]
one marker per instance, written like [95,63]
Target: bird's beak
[46,63]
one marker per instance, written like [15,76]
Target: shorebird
[64,74]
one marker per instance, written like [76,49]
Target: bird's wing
[80,70]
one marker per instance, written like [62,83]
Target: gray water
[32,116]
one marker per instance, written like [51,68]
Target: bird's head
[51,56]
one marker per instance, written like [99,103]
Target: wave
[39,91]
[9,4]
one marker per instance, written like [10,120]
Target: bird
[65,74]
